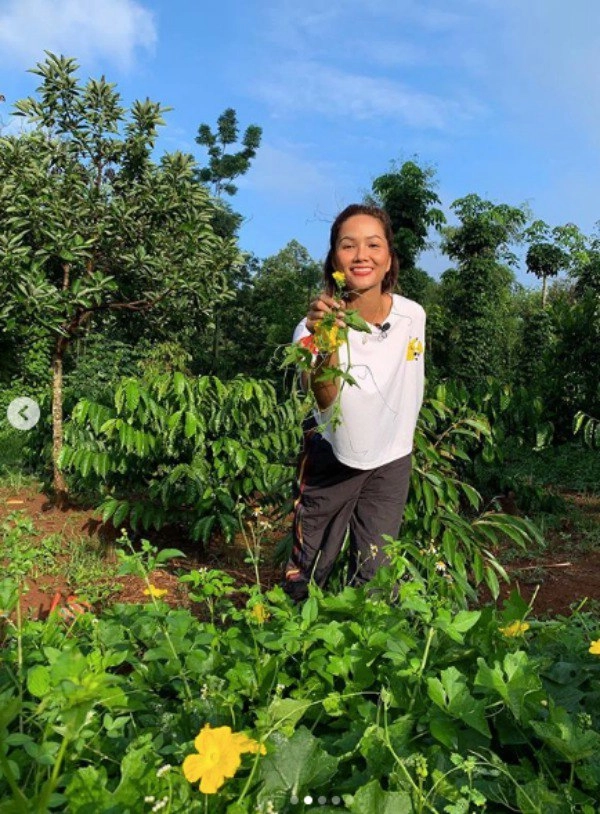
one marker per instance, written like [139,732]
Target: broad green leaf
[371,799]
[38,680]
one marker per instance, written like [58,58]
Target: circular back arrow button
[23,413]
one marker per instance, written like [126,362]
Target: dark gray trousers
[332,498]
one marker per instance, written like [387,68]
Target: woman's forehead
[361,225]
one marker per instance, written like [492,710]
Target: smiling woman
[353,476]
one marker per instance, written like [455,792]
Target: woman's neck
[373,305]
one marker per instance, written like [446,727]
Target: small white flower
[204,692]
[163,770]
[160,804]
[374,550]
[150,798]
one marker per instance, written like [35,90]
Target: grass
[88,569]
[570,467]
[81,562]
[558,488]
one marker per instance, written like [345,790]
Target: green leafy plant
[446,528]
[183,450]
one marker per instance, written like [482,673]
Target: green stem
[430,634]
[421,800]
[50,784]
[249,778]
[20,655]
[21,802]
[167,636]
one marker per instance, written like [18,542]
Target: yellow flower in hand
[260,613]
[219,756]
[516,628]
[328,338]
[339,278]
[155,592]
[595,648]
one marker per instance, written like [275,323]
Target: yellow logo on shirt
[415,349]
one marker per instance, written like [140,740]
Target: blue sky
[500,96]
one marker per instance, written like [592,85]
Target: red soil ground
[564,574]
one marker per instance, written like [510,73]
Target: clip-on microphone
[383,329]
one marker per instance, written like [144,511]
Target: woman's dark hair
[391,278]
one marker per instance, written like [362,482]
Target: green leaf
[294,767]
[38,680]
[565,737]
[310,611]
[371,799]
[286,711]
[166,554]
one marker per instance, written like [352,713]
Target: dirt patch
[46,592]
[563,575]
[567,572]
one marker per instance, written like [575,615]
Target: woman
[354,475]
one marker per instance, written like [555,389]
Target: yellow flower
[339,277]
[516,628]
[328,337]
[219,756]
[595,647]
[155,592]
[260,613]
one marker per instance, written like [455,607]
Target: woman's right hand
[323,304]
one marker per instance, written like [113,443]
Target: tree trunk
[59,482]
[544,290]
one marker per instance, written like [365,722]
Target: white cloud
[88,29]
[316,88]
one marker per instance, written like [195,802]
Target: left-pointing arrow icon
[23,413]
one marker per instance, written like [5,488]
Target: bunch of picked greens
[309,354]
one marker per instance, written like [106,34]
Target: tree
[90,224]
[408,196]
[546,257]
[223,167]
[283,289]
[585,266]
[271,298]
[477,292]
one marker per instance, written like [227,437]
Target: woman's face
[362,252]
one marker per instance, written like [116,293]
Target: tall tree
[91,224]
[223,166]
[477,291]
[547,254]
[408,196]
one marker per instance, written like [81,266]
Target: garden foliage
[185,450]
[363,703]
